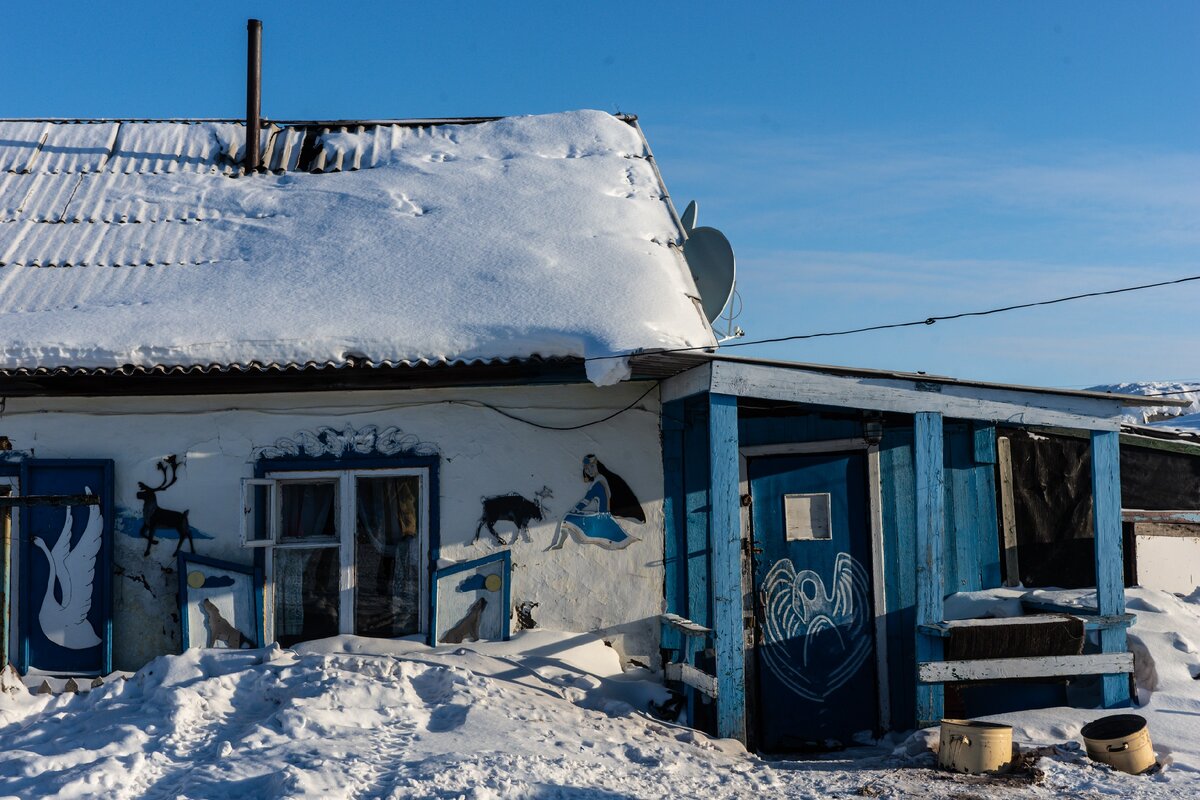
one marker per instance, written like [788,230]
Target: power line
[503,413]
[915,323]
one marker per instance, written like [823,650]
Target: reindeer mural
[155,517]
[514,508]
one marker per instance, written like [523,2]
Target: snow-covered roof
[136,244]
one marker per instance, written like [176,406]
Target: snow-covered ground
[548,715]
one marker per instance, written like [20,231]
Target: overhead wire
[910,324]
[503,413]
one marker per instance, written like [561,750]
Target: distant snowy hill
[1185,418]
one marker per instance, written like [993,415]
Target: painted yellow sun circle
[492,583]
[195,579]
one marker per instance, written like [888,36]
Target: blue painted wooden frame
[504,556]
[674,519]
[104,565]
[697,509]
[725,540]
[256,578]
[8,469]
[1110,580]
[931,521]
[370,461]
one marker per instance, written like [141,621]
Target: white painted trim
[875,514]
[344,510]
[685,384]
[1044,667]
[879,588]
[911,396]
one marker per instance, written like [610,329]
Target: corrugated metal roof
[260,367]
[177,262]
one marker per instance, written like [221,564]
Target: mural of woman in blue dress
[593,520]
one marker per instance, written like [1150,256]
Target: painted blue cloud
[130,523]
[216,581]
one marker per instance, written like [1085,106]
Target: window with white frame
[346,551]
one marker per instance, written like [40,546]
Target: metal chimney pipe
[253,94]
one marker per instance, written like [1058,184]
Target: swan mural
[64,615]
[816,639]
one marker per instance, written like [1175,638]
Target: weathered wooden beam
[690,676]
[684,626]
[1110,573]
[1161,517]
[1090,623]
[930,533]
[725,538]
[31,500]
[1008,513]
[692,382]
[992,404]
[935,672]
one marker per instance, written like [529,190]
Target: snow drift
[548,715]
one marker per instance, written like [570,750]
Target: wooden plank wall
[1110,583]
[970,520]
[674,515]
[695,488]
[928,456]
[970,524]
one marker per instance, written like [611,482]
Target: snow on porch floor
[548,715]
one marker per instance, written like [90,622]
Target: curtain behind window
[388,554]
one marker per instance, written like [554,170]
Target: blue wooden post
[1110,580]
[725,537]
[931,522]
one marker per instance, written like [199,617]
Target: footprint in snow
[405,205]
[434,686]
[1182,644]
[447,718]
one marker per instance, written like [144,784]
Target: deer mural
[514,508]
[155,517]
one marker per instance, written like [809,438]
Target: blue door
[65,570]
[816,646]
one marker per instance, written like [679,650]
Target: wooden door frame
[875,515]
[9,486]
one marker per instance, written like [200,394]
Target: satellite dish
[710,258]
[689,217]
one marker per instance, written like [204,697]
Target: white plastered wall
[580,587]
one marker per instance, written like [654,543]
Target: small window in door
[806,517]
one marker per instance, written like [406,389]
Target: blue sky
[871,162]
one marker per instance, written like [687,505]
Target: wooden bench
[1027,667]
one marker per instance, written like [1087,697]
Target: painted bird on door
[816,639]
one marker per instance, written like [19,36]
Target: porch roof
[690,373]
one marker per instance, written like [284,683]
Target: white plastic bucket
[1122,741]
[974,747]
